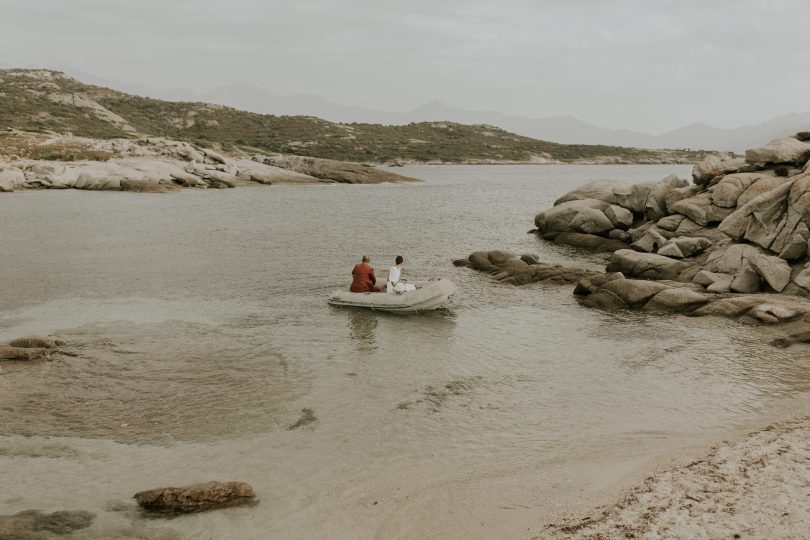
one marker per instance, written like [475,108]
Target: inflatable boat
[429,295]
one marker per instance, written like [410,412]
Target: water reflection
[362,329]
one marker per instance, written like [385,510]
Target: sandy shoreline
[753,486]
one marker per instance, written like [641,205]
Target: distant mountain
[46,101]
[562,129]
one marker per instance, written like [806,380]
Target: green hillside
[43,100]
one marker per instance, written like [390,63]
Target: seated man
[363,277]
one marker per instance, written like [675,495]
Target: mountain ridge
[561,128]
[48,100]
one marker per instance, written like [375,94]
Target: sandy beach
[757,486]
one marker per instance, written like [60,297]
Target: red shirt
[364,279]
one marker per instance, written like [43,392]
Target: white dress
[393,278]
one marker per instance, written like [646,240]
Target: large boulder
[11,178]
[684,247]
[591,241]
[655,207]
[507,267]
[646,198]
[678,194]
[255,171]
[22,353]
[764,184]
[646,265]
[335,171]
[773,220]
[713,166]
[196,497]
[601,190]
[591,221]
[701,210]
[775,271]
[622,218]
[634,292]
[559,218]
[727,191]
[784,150]
[650,242]
[677,299]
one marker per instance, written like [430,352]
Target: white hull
[429,295]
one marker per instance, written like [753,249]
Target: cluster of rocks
[734,243]
[742,226]
[37,525]
[507,267]
[161,165]
[30,348]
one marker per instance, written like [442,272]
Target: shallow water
[201,334]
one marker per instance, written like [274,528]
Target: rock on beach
[196,497]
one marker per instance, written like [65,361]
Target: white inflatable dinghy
[429,295]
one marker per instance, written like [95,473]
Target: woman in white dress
[394,277]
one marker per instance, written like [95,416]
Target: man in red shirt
[363,277]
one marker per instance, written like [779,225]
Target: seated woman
[394,277]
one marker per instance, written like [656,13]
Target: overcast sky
[643,64]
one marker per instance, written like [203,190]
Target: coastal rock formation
[33,524]
[327,170]
[507,267]
[158,165]
[743,226]
[44,342]
[30,348]
[196,498]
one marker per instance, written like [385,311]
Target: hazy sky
[642,64]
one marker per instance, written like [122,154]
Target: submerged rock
[30,524]
[196,497]
[22,353]
[507,267]
[43,342]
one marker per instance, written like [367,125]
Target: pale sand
[755,487]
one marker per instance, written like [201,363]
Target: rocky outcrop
[196,498]
[692,299]
[788,150]
[327,170]
[30,348]
[157,165]
[510,268]
[715,166]
[33,524]
[44,342]
[743,227]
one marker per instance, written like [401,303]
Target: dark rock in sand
[787,341]
[30,524]
[42,342]
[22,353]
[196,497]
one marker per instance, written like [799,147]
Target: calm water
[201,331]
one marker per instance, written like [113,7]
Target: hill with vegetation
[46,101]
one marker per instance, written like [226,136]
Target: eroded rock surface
[744,223]
[33,524]
[196,497]
[508,267]
[157,165]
